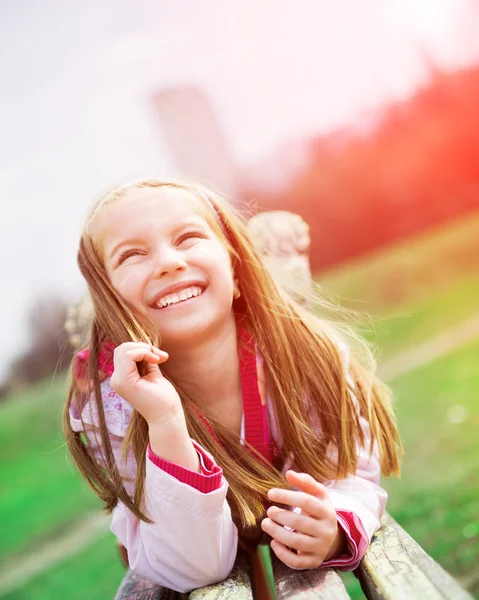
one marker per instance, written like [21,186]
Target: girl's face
[164,260]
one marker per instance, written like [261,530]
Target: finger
[127,346]
[159,352]
[146,354]
[293,560]
[162,355]
[126,362]
[299,522]
[306,483]
[315,507]
[292,539]
[131,346]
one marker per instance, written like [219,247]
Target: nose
[168,260]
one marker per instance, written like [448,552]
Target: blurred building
[196,140]
[198,145]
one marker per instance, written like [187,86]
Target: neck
[209,370]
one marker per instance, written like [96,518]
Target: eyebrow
[138,241]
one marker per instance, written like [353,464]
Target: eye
[126,254]
[189,235]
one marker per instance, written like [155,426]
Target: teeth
[185,294]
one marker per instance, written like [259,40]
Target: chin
[191,329]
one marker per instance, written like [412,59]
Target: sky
[76,117]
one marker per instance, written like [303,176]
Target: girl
[209,407]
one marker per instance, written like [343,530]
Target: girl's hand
[316,536]
[152,395]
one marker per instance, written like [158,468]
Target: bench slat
[396,567]
[236,586]
[304,585]
[290,585]
[135,587]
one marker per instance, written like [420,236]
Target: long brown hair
[308,380]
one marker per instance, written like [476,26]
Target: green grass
[437,499]
[94,574]
[417,321]
[412,290]
[409,271]
[420,288]
[42,494]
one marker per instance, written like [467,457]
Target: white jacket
[193,541]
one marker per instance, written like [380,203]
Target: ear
[236,290]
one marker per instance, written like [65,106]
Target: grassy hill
[414,289]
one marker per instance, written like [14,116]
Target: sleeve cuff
[208,480]
[357,542]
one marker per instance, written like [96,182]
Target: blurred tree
[412,167]
[49,349]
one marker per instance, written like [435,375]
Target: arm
[192,541]
[359,502]
[347,515]
[323,525]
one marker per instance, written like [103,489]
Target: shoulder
[117,411]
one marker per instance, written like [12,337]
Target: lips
[177,297]
[177,293]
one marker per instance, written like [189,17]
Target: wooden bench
[394,567]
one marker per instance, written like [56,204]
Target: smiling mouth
[192,291]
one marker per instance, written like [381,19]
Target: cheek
[128,283]
[223,259]
[224,271]
[213,258]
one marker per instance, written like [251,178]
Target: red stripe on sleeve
[209,480]
[357,542]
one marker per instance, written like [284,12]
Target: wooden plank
[304,585]
[236,586]
[290,585]
[135,587]
[396,567]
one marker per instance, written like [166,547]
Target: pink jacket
[193,540]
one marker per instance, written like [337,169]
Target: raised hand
[155,398]
[151,394]
[307,539]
